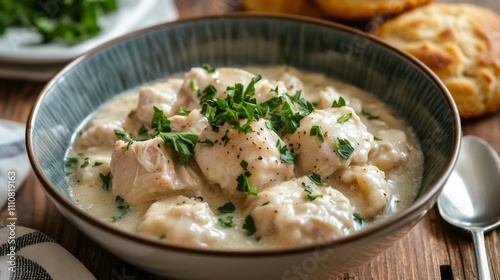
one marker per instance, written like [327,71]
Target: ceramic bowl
[413,92]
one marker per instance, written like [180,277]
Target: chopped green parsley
[316,131]
[244,185]
[106,181]
[85,163]
[227,208]
[357,218]
[309,195]
[342,119]
[208,68]
[340,103]
[71,161]
[226,222]
[249,225]
[286,154]
[344,148]
[183,143]
[316,179]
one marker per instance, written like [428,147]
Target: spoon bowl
[470,199]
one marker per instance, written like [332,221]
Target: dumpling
[289,215]
[165,96]
[366,188]
[99,134]
[198,79]
[195,122]
[391,151]
[182,221]
[324,158]
[222,163]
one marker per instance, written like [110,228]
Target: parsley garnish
[160,122]
[106,181]
[316,179]
[244,164]
[122,209]
[121,134]
[142,130]
[184,112]
[207,142]
[357,218]
[249,225]
[207,94]
[265,203]
[339,103]
[85,163]
[70,161]
[131,114]
[225,138]
[238,105]
[377,139]
[208,68]
[227,208]
[344,118]
[130,142]
[344,148]
[97,163]
[226,222]
[316,131]
[193,85]
[286,155]
[309,195]
[286,120]
[369,115]
[183,143]
[244,186]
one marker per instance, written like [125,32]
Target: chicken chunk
[366,188]
[222,163]
[292,82]
[89,168]
[288,215]
[328,95]
[100,134]
[392,150]
[221,78]
[324,157]
[195,122]
[148,170]
[199,79]
[165,96]
[182,221]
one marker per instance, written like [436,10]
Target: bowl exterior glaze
[353,57]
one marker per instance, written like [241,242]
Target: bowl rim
[417,206]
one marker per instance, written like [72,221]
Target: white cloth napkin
[14,163]
[27,254]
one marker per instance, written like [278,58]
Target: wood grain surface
[431,250]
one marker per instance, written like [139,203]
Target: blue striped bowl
[414,93]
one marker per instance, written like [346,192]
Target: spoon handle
[481,258]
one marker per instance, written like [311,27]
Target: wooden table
[431,250]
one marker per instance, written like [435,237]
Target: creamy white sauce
[94,143]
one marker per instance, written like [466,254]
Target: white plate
[19,45]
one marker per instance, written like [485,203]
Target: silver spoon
[470,199]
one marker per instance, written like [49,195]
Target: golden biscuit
[365,9]
[461,44]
